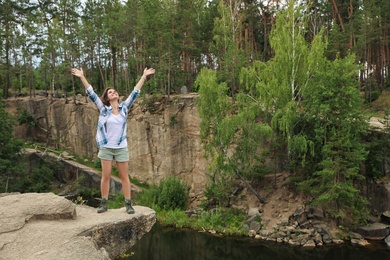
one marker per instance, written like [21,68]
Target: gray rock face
[47,226]
[163,139]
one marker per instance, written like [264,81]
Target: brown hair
[104,97]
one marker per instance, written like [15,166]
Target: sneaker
[129,208]
[103,206]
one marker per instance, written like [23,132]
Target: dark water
[166,244]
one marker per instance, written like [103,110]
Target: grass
[221,220]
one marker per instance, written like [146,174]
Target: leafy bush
[97,163]
[170,194]
[39,180]
[26,118]
[218,193]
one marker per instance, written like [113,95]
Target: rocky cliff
[47,226]
[163,136]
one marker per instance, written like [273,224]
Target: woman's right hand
[77,72]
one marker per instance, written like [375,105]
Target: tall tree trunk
[337,14]
[7,62]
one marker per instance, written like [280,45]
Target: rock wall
[163,135]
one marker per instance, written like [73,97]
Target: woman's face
[112,94]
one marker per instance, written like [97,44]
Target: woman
[111,135]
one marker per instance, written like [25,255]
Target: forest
[285,81]
[114,40]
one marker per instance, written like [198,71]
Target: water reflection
[166,244]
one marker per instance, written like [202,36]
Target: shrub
[170,194]
[24,117]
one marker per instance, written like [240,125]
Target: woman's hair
[104,97]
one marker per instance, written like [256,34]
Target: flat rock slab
[47,226]
[376,231]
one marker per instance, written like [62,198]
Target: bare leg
[106,175]
[123,174]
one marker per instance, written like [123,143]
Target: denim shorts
[110,154]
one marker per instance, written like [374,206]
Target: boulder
[46,226]
[376,231]
[385,217]
[387,241]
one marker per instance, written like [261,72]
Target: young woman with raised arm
[111,135]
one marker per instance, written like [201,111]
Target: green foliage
[39,180]
[24,117]
[175,218]
[97,163]
[333,123]
[224,220]
[170,194]
[116,201]
[213,107]
[218,191]
[12,167]
[173,121]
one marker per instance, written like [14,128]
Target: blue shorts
[110,154]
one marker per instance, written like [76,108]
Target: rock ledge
[46,226]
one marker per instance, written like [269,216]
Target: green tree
[11,156]
[230,58]
[276,86]
[331,118]
[213,107]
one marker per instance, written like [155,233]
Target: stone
[318,238]
[253,212]
[359,242]
[255,226]
[375,231]
[327,239]
[306,224]
[45,226]
[315,213]
[309,244]
[183,90]
[354,235]
[245,228]
[387,241]
[322,230]
[252,233]
[283,222]
[265,233]
[385,217]
[299,215]
[338,241]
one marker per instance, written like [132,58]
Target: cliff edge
[46,226]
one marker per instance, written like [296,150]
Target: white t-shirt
[114,129]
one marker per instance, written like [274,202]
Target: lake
[163,243]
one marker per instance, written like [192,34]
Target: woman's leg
[106,175]
[126,185]
[123,168]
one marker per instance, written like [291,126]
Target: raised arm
[141,82]
[79,73]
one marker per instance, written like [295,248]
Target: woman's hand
[148,72]
[78,72]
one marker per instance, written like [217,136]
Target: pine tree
[11,166]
